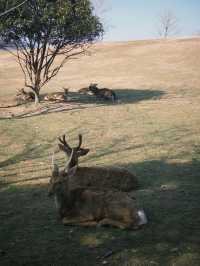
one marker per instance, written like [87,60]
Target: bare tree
[167,24]
[198,33]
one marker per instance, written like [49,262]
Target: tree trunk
[166,32]
[37,96]
[36,87]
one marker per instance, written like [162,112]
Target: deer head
[93,87]
[75,152]
[66,90]
[21,92]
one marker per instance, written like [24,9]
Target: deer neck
[73,163]
[60,196]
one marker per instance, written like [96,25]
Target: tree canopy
[41,30]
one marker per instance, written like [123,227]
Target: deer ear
[65,149]
[72,171]
[55,170]
[83,152]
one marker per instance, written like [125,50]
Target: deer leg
[113,99]
[89,223]
[78,221]
[108,221]
[68,221]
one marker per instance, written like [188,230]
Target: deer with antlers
[85,207]
[103,93]
[101,178]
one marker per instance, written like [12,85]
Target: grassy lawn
[154,131]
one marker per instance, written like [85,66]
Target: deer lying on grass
[100,178]
[25,96]
[104,93]
[81,206]
[84,90]
[57,96]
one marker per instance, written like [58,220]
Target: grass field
[154,131]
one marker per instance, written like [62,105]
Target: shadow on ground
[29,152]
[78,101]
[156,173]
[31,234]
[28,164]
[134,96]
[123,95]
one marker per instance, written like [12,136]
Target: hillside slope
[153,131]
[166,64]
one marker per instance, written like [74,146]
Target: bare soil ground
[154,131]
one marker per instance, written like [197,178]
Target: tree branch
[13,8]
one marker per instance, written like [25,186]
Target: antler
[80,141]
[64,146]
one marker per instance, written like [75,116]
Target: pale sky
[138,19]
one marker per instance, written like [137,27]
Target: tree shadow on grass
[20,173]
[79,102]
[34,152]
[156,173]
[169,193]
[127,96]
[30,232]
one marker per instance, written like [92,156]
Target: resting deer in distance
[57,96]
[25,96]
[104,93]
[84,90]
[85,207]
[100,178]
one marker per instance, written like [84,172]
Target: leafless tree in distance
[198,33]
[167,24]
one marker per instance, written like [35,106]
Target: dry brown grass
[153,131]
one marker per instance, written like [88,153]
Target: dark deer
[84,90]
[104,93]
[101,178]
[85,207]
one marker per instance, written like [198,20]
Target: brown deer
[25,96]
[57,96]
[84,90]
[104,93]
[101,178]
[85,207]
